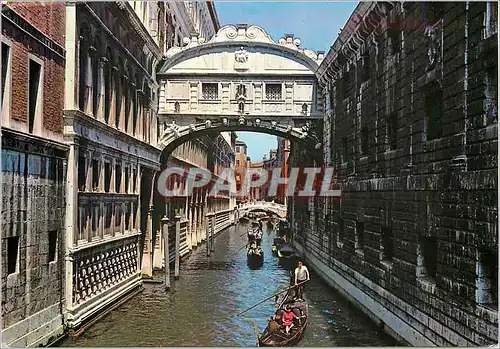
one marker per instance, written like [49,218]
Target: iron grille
[273,91]
[210,91]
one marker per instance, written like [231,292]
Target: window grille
[273,91]
[210,91]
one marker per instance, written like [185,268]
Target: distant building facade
[282,154]
[242,162]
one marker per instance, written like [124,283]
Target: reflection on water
[201,306]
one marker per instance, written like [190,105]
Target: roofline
[198,50]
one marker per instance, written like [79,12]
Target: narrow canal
[200,309]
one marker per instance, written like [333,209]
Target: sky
[316,24]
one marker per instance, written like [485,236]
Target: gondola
[269,225]
[244,219]
[287,256]
[250,235]
[277,243]
[280,338]
[283,228]
[255,256]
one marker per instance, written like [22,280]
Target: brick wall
[424,173]
[49,19]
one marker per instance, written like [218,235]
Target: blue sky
[316,24]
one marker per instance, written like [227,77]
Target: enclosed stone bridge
[240,80]
[273,207]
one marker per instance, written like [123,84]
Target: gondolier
[301,275]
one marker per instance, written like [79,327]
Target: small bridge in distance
[276,208]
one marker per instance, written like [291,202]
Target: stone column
[88,99]
[123,82]
[71,219]
[90,170]
[102,86]
[140,113]
[70,81]
[112,110]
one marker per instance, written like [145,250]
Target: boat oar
[274,295]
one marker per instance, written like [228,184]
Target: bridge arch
[265,206]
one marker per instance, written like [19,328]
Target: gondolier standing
[301,275]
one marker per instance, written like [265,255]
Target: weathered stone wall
[32,209]
[33,174]
[411,127]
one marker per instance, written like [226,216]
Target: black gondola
[255,256]
[283,228]
[270,225]
[277,243]
[280,338]
[287,256]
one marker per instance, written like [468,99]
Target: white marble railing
[98,268]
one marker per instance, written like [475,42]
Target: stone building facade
[242,163]
[33,173]
[282,155]
[111,128]
[411,128]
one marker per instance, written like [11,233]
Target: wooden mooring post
[212,236]
[207,233]
[164,222]
[177,245]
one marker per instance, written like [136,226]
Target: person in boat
[301,275]
[258,236]
[287,318]
[274,325]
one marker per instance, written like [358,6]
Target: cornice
[125,49]
[139,27]
[362,22]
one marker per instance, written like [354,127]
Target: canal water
[201,307]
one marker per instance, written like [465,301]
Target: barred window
[210,90]
[273,91]
[490,19]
